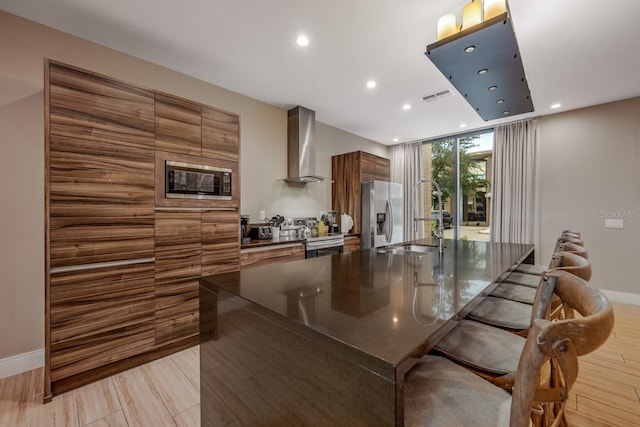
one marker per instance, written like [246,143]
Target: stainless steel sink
[409,249]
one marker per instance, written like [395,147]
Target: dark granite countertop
[384,305]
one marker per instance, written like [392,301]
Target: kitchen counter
[362,318]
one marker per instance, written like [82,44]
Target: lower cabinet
[351,243]
[189,244]
[253,257]
[99,316]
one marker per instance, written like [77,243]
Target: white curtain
[407,169]
[513,183]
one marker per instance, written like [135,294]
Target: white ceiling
[575,52]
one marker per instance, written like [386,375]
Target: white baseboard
[622,297]
[21,363]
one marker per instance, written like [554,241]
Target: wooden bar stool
[438,392]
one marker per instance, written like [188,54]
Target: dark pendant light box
[483,63]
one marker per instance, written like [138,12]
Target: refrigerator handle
[390,222]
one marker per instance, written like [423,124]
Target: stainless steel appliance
[191,181]
[382,213]
[244,229]
[324,245]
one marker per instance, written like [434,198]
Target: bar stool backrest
[560,343]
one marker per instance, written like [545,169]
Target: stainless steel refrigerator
[381,214]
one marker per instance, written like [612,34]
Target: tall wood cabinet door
[100,169]
[100,316]
[220,135]
[101,200]
[220,242]
[177,269]
[383,169]
[178,126]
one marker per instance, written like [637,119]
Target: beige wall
[590,167]
[23,45]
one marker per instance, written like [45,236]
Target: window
[466,191]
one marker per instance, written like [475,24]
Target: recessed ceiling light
[396,139]
[302,41]
[556,106]
[463,125]
[469,49]
[406,107]
[499,101]
[492,88]
[506,112]
[483,71]
[371,84]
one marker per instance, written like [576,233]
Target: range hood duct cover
[301,149]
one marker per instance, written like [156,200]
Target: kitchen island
[327,341]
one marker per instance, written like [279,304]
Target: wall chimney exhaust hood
[301,150]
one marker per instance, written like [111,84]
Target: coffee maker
[244,229]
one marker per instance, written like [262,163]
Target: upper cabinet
[178,126]
[348,171]
[220,135]
[187,128]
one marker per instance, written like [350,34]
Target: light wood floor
[166,392]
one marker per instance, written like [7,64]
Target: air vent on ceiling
[436,95]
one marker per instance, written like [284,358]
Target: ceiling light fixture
[463,125]
[396,139]
[371,84]
[406,107]
[554,106]
[302,41]
[493,42]
[499,101]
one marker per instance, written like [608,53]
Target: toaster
[261,232]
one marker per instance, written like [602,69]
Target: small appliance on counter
[245,238]
[261,232]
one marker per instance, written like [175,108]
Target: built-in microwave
[191,181]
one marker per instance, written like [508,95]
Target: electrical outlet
[262,215]
[613,223]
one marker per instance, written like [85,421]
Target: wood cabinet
[253,257]
[348,171]
[122,269]
[177,269]
[178,126]
[351,243]
[189,244]
[220,135]
[220,241]
[100,316]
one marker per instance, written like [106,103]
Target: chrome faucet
[440,234]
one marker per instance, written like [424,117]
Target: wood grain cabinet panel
[94,108]
[220,135]
[101,201]
[348,171]
[178,259]
[178,126]
[271,255]
[100,316]
[220,242]
[351,243]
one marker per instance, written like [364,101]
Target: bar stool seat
[440,393]
[483,347]
[523,279]
[531,269]
[515,292]
[502,313]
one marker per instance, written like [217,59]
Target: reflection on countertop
[385,305]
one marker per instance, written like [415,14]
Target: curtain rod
[485,129]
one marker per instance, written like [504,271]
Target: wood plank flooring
[166,392]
